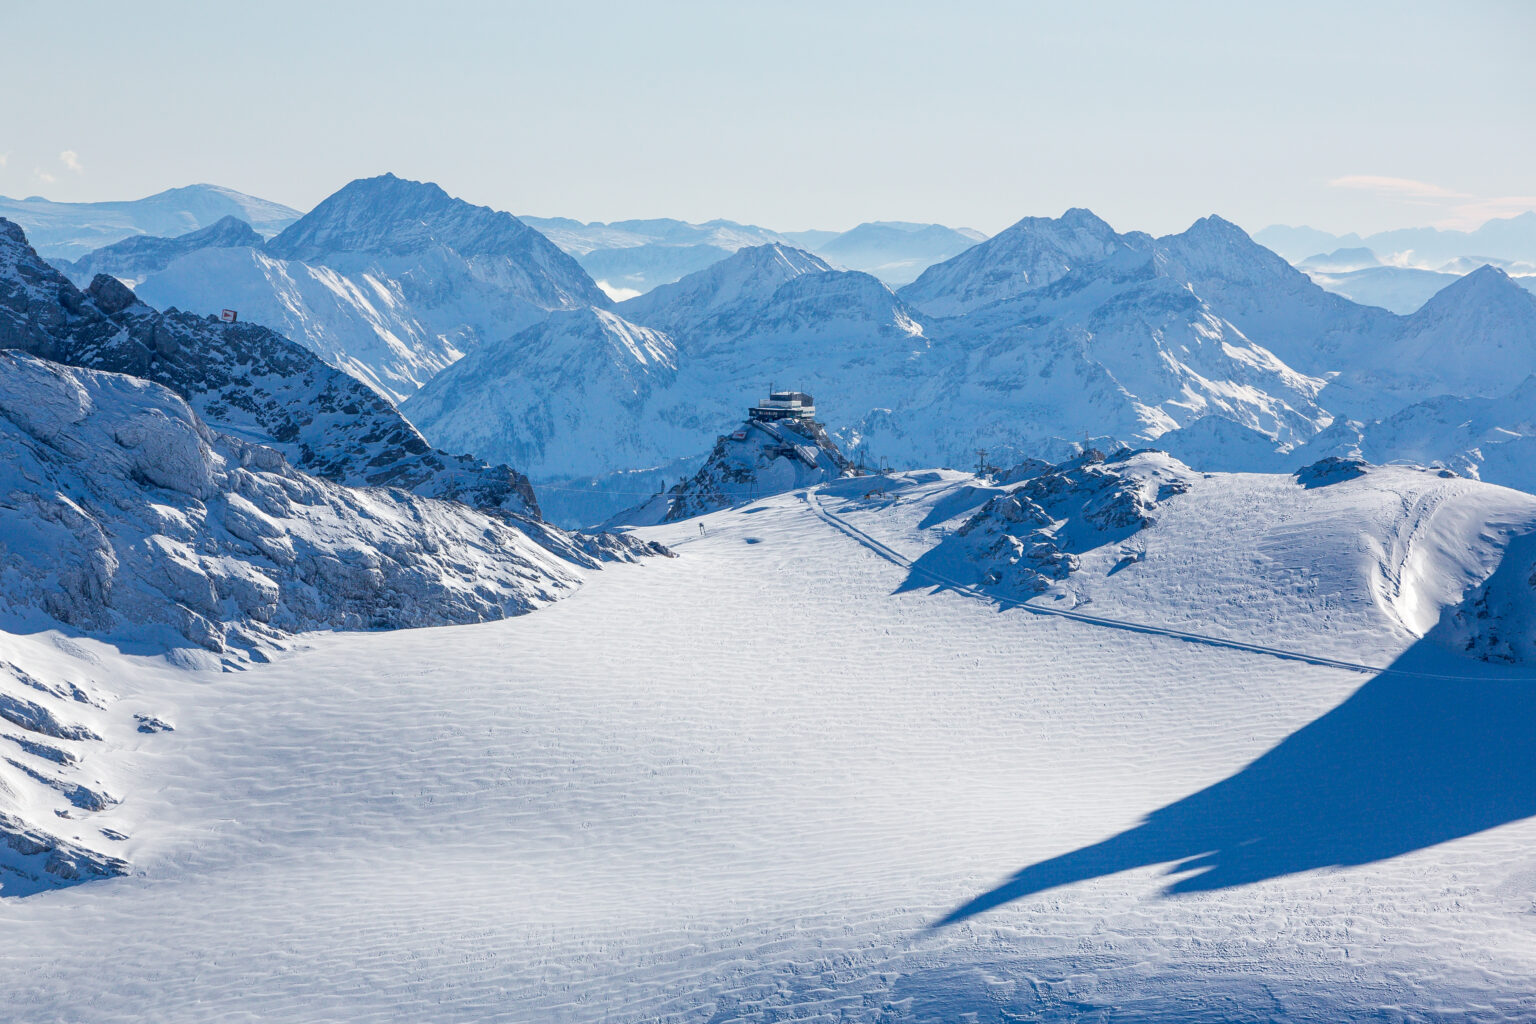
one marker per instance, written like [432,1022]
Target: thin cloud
[1400,188]
[71,160]
[43,176]
[5,158]
[1460,211]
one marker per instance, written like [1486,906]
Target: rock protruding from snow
[48,732]
[1028,539]
[135,258]
[755,460]
[243,379]
[127,513]
[1331,470]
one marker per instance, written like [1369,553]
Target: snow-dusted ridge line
[812,498]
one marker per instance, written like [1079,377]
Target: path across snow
[743,784]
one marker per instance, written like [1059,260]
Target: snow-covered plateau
[1264,753]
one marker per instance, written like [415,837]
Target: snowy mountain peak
[749,276]
[1034,252]
[1487,287]
[390,216]
[1214,247]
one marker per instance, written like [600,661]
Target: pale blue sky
[1347,116]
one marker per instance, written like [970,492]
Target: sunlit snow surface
[748,783]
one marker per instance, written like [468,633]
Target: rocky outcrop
[124,512]
[1029,538]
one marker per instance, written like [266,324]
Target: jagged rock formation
[125,512]
[1026,540]
[753,461]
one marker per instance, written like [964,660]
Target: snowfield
[789,776]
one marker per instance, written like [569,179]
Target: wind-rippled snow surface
[745,785]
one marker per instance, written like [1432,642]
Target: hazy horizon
[803,118]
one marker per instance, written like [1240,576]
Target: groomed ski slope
[750,783]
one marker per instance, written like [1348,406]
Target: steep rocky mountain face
[753,461]
[241,378]
[71,230]
[135,258]
[388,279]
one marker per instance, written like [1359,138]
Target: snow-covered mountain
[1473,338]
[1031,254]
[1118,347]
[243,379]
[136,257]
[724,292]
[1492,439]
[71,230]
[569,396]
[1052,330]
[127,513]
[649,396]
[755,460]
[388,279]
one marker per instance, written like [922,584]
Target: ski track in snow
[738,785]
[1421,513]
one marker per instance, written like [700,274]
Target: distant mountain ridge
[638,255]
[71,230]
[1508,238]
[136,257]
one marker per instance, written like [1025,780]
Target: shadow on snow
[1405,763]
